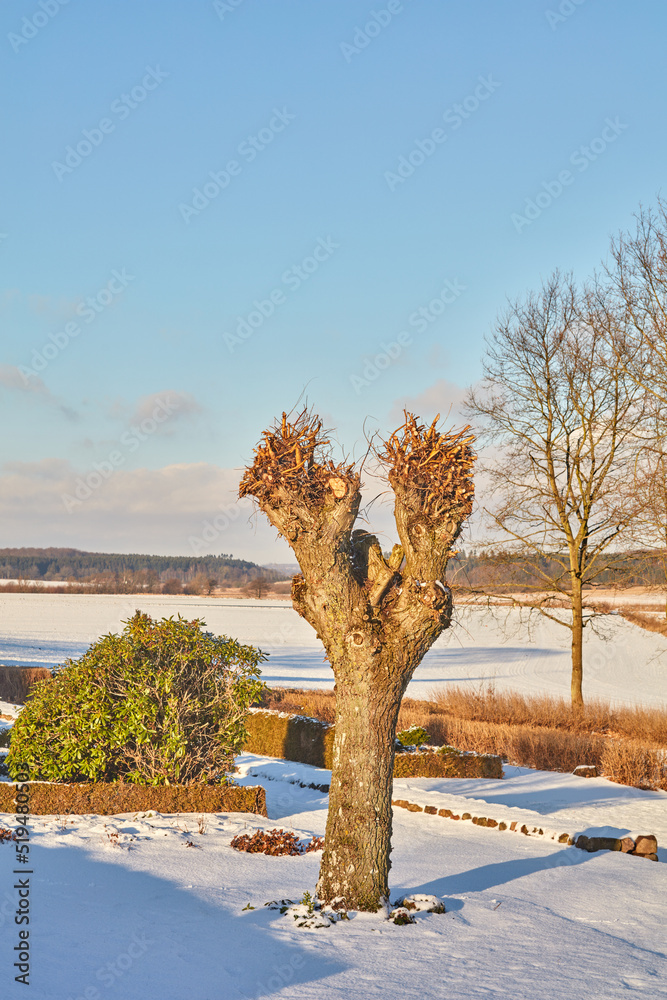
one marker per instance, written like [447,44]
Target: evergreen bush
[163,703]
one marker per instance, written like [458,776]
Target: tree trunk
[376,616]
[355,863]
[577,645]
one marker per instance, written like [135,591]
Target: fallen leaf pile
[275,842]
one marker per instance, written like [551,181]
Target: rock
[431,810]
[648,857]
[404,804]
[592,844]
[419,902]
[447,813]
[627,845]
[646,845]
[401,916]
[604,844]
[586,771]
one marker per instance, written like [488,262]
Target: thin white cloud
[12,378]
[172,403]
[133,510]
[179,405]
[442,397]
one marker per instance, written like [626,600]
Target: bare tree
[562,415]
[376,617]
[649,486]
[638,275]
[258,587]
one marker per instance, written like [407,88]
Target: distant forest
[119,573]
[106,572]
[496,570]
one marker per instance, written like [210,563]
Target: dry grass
[625,744]
[485,704]
[296,701]
[541,748]
[649,622]
[630,762]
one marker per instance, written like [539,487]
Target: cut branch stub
[431,475]
[286,463]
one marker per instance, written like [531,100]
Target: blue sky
[210,209]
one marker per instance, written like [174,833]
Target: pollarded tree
[376,617]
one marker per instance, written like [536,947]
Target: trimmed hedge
[446,762]
[310,741]
[292,737]
[108,799]
[15,682]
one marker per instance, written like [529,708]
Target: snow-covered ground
[123,907]
[626,665]
[526,917]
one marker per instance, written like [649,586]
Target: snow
[626,665]
[526,917]
[123,907]
[562,803]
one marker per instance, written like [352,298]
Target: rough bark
[576,599]
[376,617]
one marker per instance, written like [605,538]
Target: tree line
[129,570]
[503,571]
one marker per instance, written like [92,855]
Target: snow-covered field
[526,918]
[122,907]
[627,665]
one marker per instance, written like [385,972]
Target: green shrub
[413,737]
[162,703]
